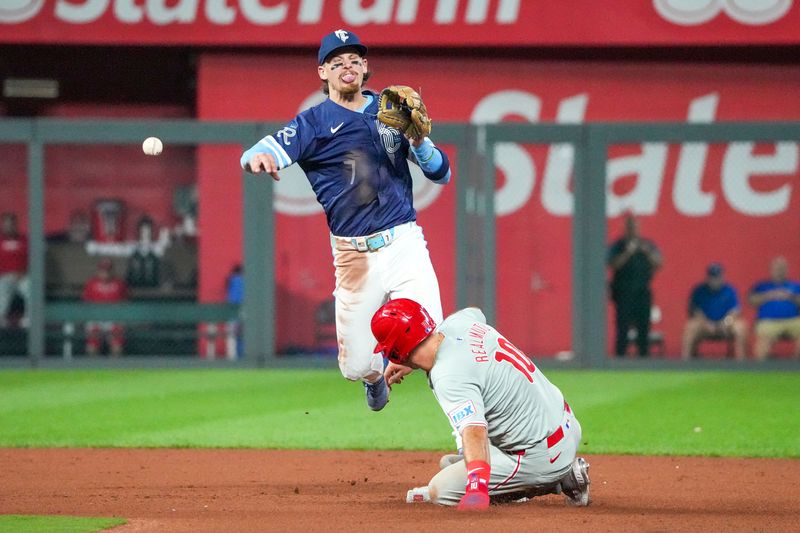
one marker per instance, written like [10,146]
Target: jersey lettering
[285,134]
[519,360]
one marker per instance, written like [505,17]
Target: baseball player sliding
[358,168]
[520,437]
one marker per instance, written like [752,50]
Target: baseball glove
[401,107]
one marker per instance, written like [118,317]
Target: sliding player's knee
[447,487]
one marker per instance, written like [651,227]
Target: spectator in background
[79,229]
[104,288]
[13,266]
[633,261]
[778,304]
[234,285]
[234,293]
[714,312]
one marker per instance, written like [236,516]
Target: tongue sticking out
[349,77]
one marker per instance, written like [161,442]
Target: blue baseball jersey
[777,309]
[357,166]
[714,304]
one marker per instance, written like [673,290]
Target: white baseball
[152,146]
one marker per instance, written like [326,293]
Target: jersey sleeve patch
[462,412]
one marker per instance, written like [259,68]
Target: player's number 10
[520,361]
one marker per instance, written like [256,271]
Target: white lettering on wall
[687,193]
[88,11]
[256,13]
[16,11]
[184,11]
[740,166]
[477,11]
[225,12]
[406,11]
[515,162]
[557,198]
[694,12]
[128,12]
[218,12]
[310,11]
[352,11]
[645,168]
[648,167]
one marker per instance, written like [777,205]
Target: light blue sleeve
[430,160]
[287,146]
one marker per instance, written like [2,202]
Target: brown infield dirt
[268,490]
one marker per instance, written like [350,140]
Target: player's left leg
[359,293]
[507,483]
[552,465]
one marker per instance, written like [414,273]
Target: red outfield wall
[738,204]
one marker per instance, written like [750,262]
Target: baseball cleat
[377,394]
[575,484]
[418,495]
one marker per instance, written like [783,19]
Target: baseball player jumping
[358,168]
[520,437]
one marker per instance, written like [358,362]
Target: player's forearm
[267,145]
[432,161]
[476,444]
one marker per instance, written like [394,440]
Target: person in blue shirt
[358,168]
[778,302]
[714,312]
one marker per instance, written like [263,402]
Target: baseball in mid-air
[152,146]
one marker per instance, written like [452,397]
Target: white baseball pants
[365,281]
[535,471]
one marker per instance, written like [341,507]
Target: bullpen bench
[165,324]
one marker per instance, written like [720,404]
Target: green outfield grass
[62,524]
[665,413]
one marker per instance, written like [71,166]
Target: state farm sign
[400,23]
[750,12]
[223,12]
[739,170]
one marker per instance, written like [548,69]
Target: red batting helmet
[400,326]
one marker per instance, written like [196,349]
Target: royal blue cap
[714,270]
[337,40]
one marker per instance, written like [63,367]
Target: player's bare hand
[416,143]
[394,373]
[264,163]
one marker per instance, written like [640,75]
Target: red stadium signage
[402,22]
[731,202]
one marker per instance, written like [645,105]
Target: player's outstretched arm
[476,456]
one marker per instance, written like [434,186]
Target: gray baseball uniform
[479,378]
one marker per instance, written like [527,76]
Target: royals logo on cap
[337,40]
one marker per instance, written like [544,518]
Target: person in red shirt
[104,287]
[13,265]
